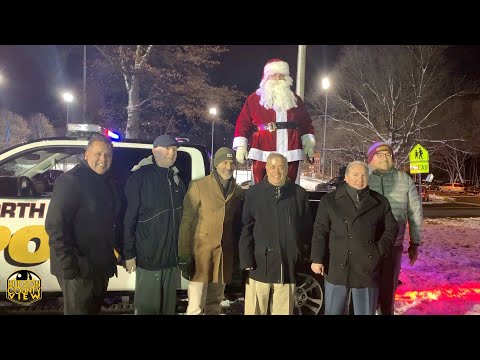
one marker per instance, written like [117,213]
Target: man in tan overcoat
[209,233]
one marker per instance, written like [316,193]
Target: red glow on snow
[469,292]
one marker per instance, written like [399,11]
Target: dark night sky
[34,86]
[31,84]
[243,64]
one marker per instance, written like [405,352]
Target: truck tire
[309,295]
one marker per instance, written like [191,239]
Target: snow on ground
[438,199]
[308,183]
[445,280]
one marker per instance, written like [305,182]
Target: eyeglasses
[382,156]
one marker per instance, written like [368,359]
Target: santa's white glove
[308,142]
[241,154]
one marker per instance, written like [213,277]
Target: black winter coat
[153,215]
[82,223]
[350,242]
[276,232]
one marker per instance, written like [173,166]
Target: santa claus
[274,119]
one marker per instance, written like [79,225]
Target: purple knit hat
[378,146]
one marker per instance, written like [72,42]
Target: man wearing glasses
[400,190]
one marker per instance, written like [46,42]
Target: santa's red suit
[273,131]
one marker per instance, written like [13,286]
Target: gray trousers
[336,300]
[155,291]
[83,296]
[389,273]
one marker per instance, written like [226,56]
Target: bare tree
[165,84]
[132,62]
[451,160]
[473,171]
[394,94]
[41,127]
[459,158]
[13,129]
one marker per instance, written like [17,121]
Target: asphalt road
[457,206]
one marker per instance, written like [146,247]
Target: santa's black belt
[276,126]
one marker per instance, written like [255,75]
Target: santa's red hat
[275,66]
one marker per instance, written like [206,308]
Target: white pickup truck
[27,175]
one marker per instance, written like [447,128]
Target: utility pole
[213,112]
[84,83]
[302,50]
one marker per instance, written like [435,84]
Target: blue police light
[112,135]
[83,130]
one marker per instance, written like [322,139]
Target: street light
[68,98]
[213,112]
[325,86]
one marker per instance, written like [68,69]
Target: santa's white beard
[276,95]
